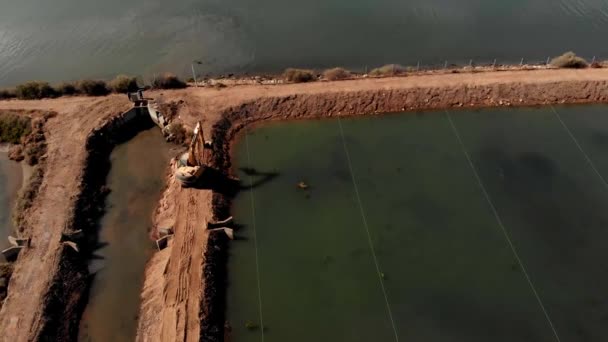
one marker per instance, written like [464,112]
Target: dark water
[136,180]
[10,183]
[440,258]
[70,39]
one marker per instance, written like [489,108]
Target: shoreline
[188,294]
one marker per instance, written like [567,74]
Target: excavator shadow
[212,179]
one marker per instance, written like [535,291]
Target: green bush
[65,88]
[336,74]
[123,84]
[569,60]
[388,70]
[7,94]
[93,88]
[298,75]
[34,90]
[13,127]
[168,81]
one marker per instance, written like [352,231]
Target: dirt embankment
[67,296]
[183,295]
[40,302]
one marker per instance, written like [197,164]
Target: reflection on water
[136,180]
[71,39]
[10,183]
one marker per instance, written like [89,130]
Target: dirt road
[171,306]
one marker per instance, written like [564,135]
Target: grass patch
[336,74]
[93,88]
[298,75]
[14,127]
[34,90]
[168,81]
[123,84]
[388,70]
[569,60]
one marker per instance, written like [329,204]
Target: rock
[15,153]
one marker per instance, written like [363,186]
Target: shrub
[7,94]
[569,60]
[336,74]
[298,75]
[13,127]
[123,84]
[34,90]
[168,81]
[65,88]
[388,70]
[176,133]
[93,87]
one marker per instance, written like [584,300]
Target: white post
[418,66]
[547,61]
[445,66]
[494,64]
[522,62]
[194,75]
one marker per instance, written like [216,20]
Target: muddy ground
[177,295]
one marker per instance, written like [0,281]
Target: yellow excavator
[192,164]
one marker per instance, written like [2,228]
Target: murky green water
[136,181]
[70,39]
[10,183]
[441,267]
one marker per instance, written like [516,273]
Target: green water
[74,39]
[441,268]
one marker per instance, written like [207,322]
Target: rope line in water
[255,237]
[501,225]
[579,147]
[369,237]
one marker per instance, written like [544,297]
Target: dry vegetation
[388,70]
[121,84]
[335,74]
[168,81]
[177,133]
[569,60]
[298,75]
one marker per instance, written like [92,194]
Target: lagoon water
[415,231]
[71,39]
